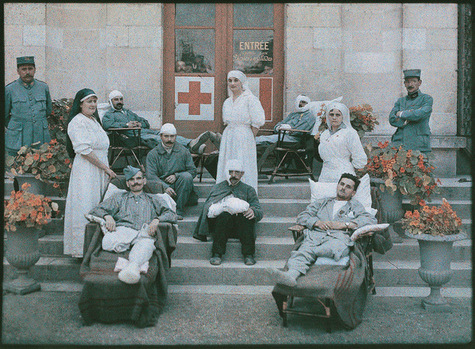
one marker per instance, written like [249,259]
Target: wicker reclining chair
[340,291]
[104,297]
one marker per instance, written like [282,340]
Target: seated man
[232,208]
[302,119]
[329,224]
[119,117]
[132,220]
[171,164]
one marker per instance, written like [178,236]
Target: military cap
[412,73]
[25,60]
[130,171]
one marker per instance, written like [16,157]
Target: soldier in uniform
[27,104]
[411,115]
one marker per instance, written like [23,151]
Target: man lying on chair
[132,220]
[329,223]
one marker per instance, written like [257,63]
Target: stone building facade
[357,51]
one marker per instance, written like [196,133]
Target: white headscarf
[114,94]
[302,98]
[344,111]
[168,129]
[233,165]
[238,75]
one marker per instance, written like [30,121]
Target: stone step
[422,291]
[463,208]
[235,272]
[292,207]
[298,188]
[451,189]
[267,248]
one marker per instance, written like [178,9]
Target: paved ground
[53,318]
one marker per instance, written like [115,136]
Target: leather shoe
[249,260]
[215,259]
[200,237]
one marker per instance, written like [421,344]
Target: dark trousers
[226,225]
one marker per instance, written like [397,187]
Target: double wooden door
[202,42]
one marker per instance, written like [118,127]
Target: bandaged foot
[130,274]
[198,141]
[287,278]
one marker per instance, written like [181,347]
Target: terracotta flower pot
[22,253]
[435,255]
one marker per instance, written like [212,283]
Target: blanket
[346,285]
[106,299]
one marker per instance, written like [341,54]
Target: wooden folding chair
[123,146]
[300,153]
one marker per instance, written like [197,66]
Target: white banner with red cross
[194,96]
[262,88]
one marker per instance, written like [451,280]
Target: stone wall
[354,50]
[360,50]
[100,46]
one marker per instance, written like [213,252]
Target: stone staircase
[281,202]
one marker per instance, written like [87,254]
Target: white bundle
[229,204]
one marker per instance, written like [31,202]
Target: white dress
[238,141]
[87,182]
[342,152]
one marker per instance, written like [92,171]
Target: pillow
[320,190]
[102,108]
[368,228]
[101,221]
[112,189]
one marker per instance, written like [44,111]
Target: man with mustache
[171,164]
[27,105]
[132,219]
[329,223]
[232,209]
[119,117]
[411,115]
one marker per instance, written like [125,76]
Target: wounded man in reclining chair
[329,223]
[132,219]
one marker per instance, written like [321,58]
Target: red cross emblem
[194,98]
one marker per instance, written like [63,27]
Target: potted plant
[57,120]
[362,119]
[25,213]
[50,164]
[435,228]
[398,172]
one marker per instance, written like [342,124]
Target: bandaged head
[302,98]
[168,129]
[345,112]
[114,94]
[130,171]
[233,165]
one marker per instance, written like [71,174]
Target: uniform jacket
[322,210]
[241,190]
[160,164]
[118,119]
[26,110]
[299,121]
[413,131]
